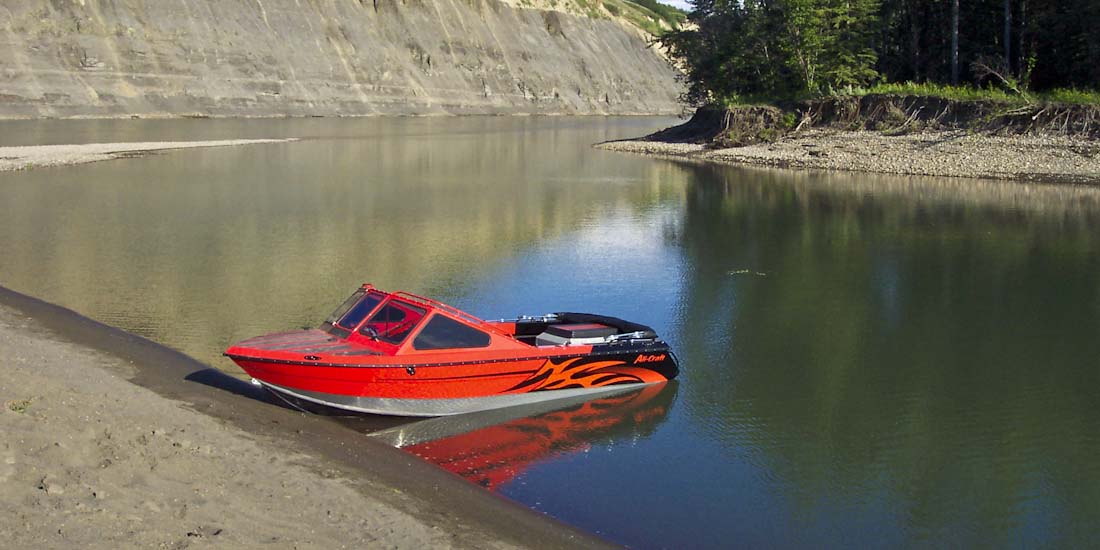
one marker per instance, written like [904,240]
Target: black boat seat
[582,330]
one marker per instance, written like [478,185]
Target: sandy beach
[110,440]
[1041,159]
[39,156]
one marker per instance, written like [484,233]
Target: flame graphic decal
[575,373]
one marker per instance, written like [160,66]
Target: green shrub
[1073,95]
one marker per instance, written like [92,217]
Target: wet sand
[1042,159]
[111,440]
[38,156]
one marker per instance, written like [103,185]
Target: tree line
[782,49]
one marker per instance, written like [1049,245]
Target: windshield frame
[388,329]
[332,323]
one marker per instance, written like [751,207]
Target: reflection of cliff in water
[501,445]
[196,249]
[938,346]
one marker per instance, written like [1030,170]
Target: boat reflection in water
[493,447]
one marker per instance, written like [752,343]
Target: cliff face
[101,58]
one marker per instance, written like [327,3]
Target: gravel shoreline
[35,156]
[1039,159]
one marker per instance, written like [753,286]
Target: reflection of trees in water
[940,349]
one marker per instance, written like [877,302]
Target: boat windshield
[351,312]
[393,322]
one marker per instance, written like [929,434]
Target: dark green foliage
[1053,43]
[785,49]
[731,53]
[670,14]
[1062,41]
[775,48]
[648,15]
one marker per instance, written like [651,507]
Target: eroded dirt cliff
[108,58]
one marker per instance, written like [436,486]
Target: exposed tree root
[892,115]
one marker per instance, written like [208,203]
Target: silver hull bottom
[437,407]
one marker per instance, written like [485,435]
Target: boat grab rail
[636,335]
[448,309]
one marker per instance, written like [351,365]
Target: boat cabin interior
[558,329]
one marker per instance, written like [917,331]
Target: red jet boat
[406,355]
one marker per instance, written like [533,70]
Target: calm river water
[867,361]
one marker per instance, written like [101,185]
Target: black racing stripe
[579,375]
[532,381]
[626,379]
[575,365]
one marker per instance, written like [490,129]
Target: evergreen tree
[775,48]
[848,56]
[779,49]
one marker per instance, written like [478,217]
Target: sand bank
[35,156]
[109,440]
[1042,159]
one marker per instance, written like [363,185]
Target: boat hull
[432,407]
[462,387]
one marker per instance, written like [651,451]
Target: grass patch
[926,89]
[654,18]
[1073,96]
[733,101]
[19,405]
[971,93]
[672,15]
[897,109]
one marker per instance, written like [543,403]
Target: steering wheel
[371,331]
[396,329]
